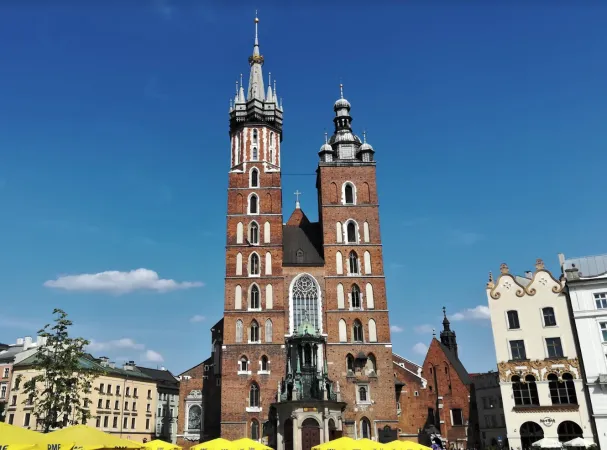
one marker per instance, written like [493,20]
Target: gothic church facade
[306,353]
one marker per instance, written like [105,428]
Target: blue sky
[488,121]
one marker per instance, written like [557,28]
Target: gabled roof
[461,371]
[304,238]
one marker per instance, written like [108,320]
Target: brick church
[303,352]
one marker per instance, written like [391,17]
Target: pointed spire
[256,89]
[341,90]
[364,136]
[236,96]
[446,323]
[275,100]
[270,96]
[326,137]
[241,98]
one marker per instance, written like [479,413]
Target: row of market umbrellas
[81,437]
[578,442]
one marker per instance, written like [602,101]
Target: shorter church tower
[447,336]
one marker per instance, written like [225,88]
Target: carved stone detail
[539,368]
[504,268]
[539,264]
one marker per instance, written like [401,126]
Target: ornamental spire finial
[326,137]
[256,22]
[341,90]
[364,136]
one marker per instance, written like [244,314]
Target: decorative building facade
[539,368]
[587,290]
[306,335]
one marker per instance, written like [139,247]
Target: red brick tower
[359,348]
[254,312]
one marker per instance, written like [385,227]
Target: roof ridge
[406,359]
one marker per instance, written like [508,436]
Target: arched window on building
[562,392]
[254,430]
[549,317]
[254,298]
[362,393]
[343,331]
[264,363]
[239,331]
[372,331]
[371,364]
[254,153]
[239,233]
[254,233]
[355,297]
[525,393]
[530,432]
[569,430]
[353,262]
[366,231]
[365,428]
[254,178]
[255,136]
[268,330]
[339,263]
[338,233]
[238,297]
[357,331]
[253,204]
[352,232]
[266,233]
[254,264]
[305,299]
[254,332]
[350,363]
[349,194]
[243,364]
[254,395]
[370,298]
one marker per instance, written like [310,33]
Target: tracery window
[350,363]
[254,233]
[357,331]
[254,300]
[254,332]
[254,264]
[355,296]
[239,329]
[305,302]
[365,427]
[254,430]
[254,395]
[353,261]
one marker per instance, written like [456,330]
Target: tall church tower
[254,311]
[358,343]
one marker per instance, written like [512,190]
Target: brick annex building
[303,352]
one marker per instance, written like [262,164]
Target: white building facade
[539,371]
[587,287]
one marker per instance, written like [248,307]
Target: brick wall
[185,387]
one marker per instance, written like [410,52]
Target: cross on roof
[297,194]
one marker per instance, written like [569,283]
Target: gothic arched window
[254,430]
[253,204]
[254,178]
[268,330]
[254,297]
[254,332]
[349,194]
[353,261]
[355,296]
[362,394]
[254,395]
[350,363]
[351,232]
[264,363]
[255,136]
[357,331]
[305,299]
[365,427]
[243,364]
[239,329]
[255,154]
[562,392]
[254,264]
[254,233]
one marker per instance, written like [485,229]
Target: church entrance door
[310,434]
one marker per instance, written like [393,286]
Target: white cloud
[423,329]
[197,318]
[118,282]
[152,356]
[481,312]
[396,329]
[124,343]
[420,348]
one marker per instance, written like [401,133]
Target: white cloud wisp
[396,329]
[420,348]
[117,282]
[480,312]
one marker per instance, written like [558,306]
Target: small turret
[447,336]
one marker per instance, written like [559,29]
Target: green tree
[59,392]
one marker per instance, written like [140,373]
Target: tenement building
[587,289]
[492,422]
[306,351]
[539,368]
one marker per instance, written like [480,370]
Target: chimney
[19,341]
[128,365]
[573,273]
[27,342]
[529,274]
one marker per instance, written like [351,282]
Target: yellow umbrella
[87,438]
[405,445]
[215,444]
[158,444]
[342,443]
[248,444]
[16,438]
[368,444]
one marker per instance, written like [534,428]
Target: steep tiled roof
[306,239]
[461,371]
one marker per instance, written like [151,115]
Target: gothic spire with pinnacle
[256,88]
[447,336]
